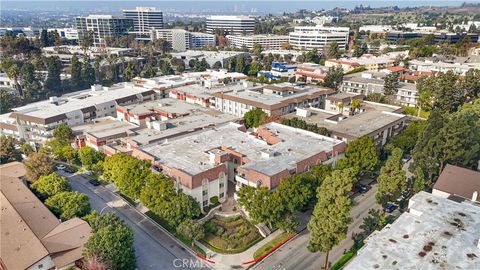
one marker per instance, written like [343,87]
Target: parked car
[94,182]
[68,170]
[61,167]
[406,158]
[390,207]
[363,188]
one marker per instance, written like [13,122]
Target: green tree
[49,185]
[241,65]
[471,83]
[131,72]
[390,86]
[159,195]
[361,154]
[334,77]
[191,230]
[254,68]
[76,72]
[149,71]
[331,215]
[166,68]
[88,156]
[127,172]
[88,73]
[36,165]
[407,139]
[53,82]
[261,204]
[375,221]
[392,180]
[253,118]
[66,153]
[360,49]
[111,241]
[63,133]
[8,150]
[448,92]
[31,86]
[67,205]
[333,50]
[295,192]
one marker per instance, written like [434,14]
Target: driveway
[153,247]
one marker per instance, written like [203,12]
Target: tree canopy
[49,185]
[36,165]
[392,180]
[361,154]
[67,205]
[111,241]
[254,118]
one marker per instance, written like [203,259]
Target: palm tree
[340,106]
[356,104]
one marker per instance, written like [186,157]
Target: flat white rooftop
[79,100]
[191,153]
[436,233]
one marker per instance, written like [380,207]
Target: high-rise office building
[232,25]
[182,40]
[144,20]
[103,27]
[318,37]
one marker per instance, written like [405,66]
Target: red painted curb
[270,251]
[205,259]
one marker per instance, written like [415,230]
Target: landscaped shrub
[219,231]
[214,200]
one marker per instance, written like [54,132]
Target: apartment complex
[318,37]
[182,40]
[204,163]
[232,25]
[273,42]
[279,70]
[32,236]
[369,62]
[103,27]
[277,99]
[144,19]
[378,121]
[435,233]
[367,83]
[211,57]
[311,73]
[36,121]
[429,65]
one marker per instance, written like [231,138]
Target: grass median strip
[275,242]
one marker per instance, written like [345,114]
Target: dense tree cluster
[254,118]
[299,123]
[392,180]
[361,155]
[49,185]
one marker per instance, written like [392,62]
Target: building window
[205,193]
[205,203]
[222,185]
[40,266]
[221,195]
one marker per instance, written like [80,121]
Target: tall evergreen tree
[390,86]
[53,82]
[88,73]
[76,72]
[331,215]
[392,180]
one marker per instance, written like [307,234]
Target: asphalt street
[154,248]
[294,254]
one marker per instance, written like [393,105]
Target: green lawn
[230,235]
[275,242]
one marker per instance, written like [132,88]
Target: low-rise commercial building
[435,233]
[231,25]
[276,99]
[32,237]
[36,121]
[458,183]
[369,62]
[319,37]
[204,163]
[266,41]
[278,70]
[378,121]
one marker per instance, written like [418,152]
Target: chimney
[474,196]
